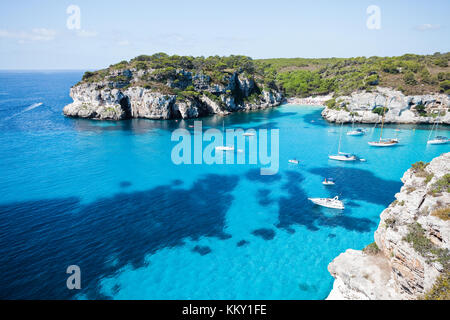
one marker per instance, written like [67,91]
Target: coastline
[411,249]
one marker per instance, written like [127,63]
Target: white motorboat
[439,140]
[333,203]
[328,182]
[294,161]
[224,148]
[356,132]
[248,134]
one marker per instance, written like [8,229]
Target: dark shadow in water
[242,243]
[359,184]
[40,239]
[255,175]
[202,250]
[125,184]
[297,209]
[265,233]
[264,197]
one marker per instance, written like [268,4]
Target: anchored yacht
[333,203]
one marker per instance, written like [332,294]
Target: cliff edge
[368,107]
[172,87]
[410,258]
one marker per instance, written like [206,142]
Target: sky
[34,34]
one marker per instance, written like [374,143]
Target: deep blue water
[106,196]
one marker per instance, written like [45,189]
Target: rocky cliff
[367,107]
[412,242]
[170,87]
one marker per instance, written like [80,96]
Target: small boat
[356,132]
[294,161]
[439,140]
[333,203]
[240,150]
[362,160]
[224,148]
[342,156]
[328,182]
[248,134]
[383,143]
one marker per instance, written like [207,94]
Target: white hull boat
[384,143]
[439,140]
[294,161]
[357,132]
[342,157]
[224,148]
[334,203]
[328,182]
[248,134]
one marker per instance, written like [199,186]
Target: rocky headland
[368,107]
[410,258]
[172,87]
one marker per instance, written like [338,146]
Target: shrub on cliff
[409,79]
[440,289]
[372,249]
[380,110]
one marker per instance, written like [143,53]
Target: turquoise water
[106,196]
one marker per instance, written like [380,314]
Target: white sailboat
[342,156]
[383,142]
[333,203]
[224,148]
[357,131]
[437,139]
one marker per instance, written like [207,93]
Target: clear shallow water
[106,196]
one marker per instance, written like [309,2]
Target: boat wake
[29,108]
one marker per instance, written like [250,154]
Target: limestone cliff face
[117,100]
[402,109]
[413,240]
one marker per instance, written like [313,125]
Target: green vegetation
[390,222]
[416,237]
[380,110]
[440,289]
[412,74]
[441,185]
[371,249]
[419,170]
[442,213]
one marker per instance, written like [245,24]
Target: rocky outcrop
[359,107]
[412,239]
[126,98]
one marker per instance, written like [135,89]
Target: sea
[107,197]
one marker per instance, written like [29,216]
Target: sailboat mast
[382,120]
[340,137]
